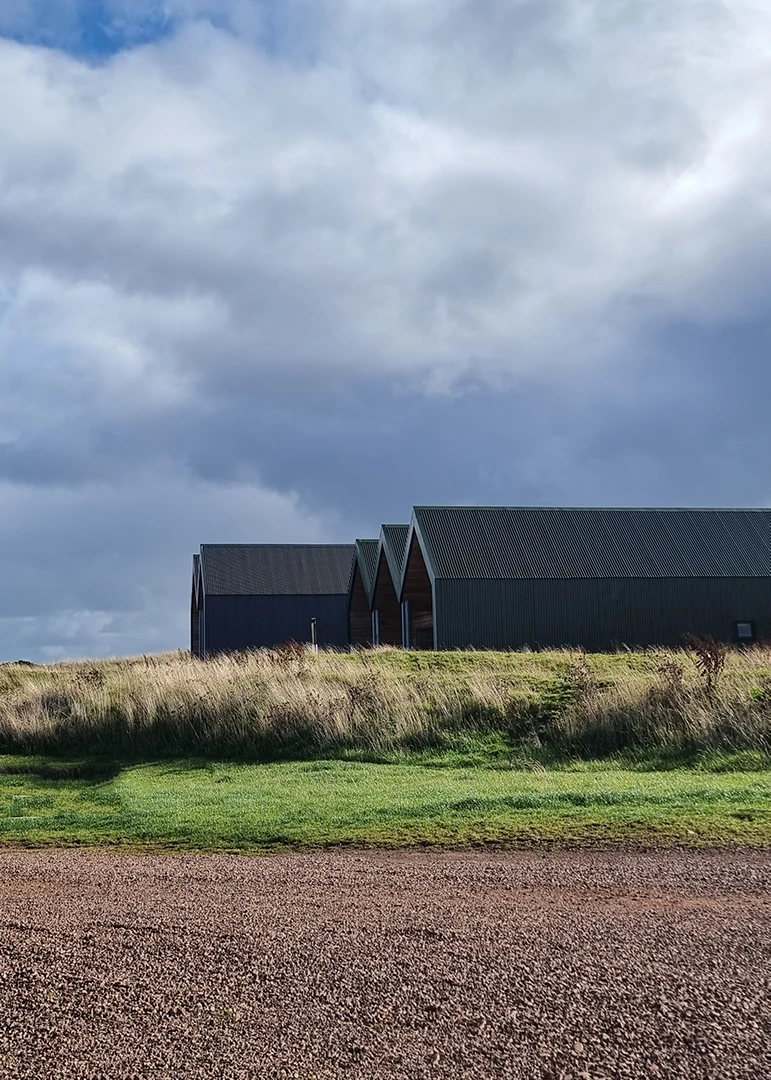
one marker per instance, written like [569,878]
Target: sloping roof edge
[392,544]
[365,557]
[413,532]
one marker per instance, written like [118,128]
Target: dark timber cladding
[263,595]
[386,610]
[417,600]
[508,577]
[360,593]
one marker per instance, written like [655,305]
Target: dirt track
[378,965]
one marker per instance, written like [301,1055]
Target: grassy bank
[210,806]
[385,705]
[288,748]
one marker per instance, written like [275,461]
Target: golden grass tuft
[292,702]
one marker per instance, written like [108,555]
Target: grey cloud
[284,281]
[113,561]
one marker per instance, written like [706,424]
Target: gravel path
[369,965]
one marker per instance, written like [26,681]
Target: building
[360,593]
[196,607]
[510,577]
[249,596]
[386,608]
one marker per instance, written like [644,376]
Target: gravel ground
[385,965]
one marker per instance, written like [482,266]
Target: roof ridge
[341,544]
[604,509]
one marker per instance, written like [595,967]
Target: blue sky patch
[98,29]
[90,29]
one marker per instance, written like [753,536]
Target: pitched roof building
[509,577]
[247,596]
[386,609]
[360,593]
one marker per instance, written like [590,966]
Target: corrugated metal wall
[252,622]
[597,614]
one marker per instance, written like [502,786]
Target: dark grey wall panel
[252,622]
[597,614]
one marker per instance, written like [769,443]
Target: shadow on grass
[90,770]
[485,750]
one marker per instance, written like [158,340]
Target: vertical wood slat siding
[417,592]
[251,622]
[386,603]
[359,615]
[597,614]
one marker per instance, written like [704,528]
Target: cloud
[429,202]
[105,569]
[329,259]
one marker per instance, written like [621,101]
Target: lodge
[251,596]
[386,603]
[481,577]
[360,593]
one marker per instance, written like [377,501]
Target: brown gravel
[385,965]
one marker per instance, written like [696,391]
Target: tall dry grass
[293,703]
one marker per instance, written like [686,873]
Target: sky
[277,270]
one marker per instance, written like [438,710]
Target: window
[745,632]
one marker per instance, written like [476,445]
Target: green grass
[269,750]
[296,705]
[210,806]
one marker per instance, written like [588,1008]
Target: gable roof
[393,543]
[365,558]
[276,569]
[501,542]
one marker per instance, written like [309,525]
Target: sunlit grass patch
[243,807]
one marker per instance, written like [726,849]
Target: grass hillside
[388,705]
[291,748]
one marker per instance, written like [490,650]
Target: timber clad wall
[360,616]
[419,596]
[360,593]
[385,599]
[386,604]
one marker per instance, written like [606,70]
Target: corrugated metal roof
[366,557]
[276,569]
[535,542]
[393,540]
